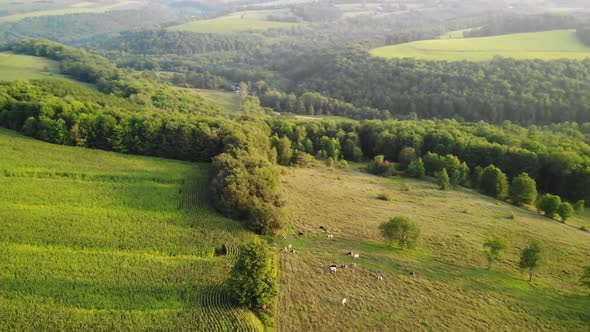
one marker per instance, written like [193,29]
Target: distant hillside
[559,44]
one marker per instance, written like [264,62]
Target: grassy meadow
[547,45]
[93,240]
[453,291]
[23,67]
[228,101]
[235,22]
[80,7]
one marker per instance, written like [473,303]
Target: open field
[228,101]
[538,45]
[22,67]
[452,291]
[93,240]
[235,22]
[75,8]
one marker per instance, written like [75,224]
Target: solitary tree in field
[565,211]
[493,182]
[494,248]
[585,280]
[548,204]
[401,230]
[530,258]
[443,180]
[523,190]
[253,280]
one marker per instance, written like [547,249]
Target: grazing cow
[349,253]
[344,301]
[330,236]
[283,249]
[412,274]
[379,278]
[290,246]
[356,256]
[300,233]
[293,251]
[353,265]
[323,228]
[343,266]
[333,268]
[284,237]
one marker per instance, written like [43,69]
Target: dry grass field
[452,291]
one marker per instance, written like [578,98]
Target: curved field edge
[96,240]
[546,45]
[453,291]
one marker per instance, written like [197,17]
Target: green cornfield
[94,240]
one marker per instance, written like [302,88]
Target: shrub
[416,168]
[579,206]
[548,204]
[385,196]
[493,249]
[530,258]
[401,230]
[406,156]
[302,159]
[443,180]
[565,211]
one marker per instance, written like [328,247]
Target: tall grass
[93,240]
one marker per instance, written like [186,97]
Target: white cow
[344,301]
[379,278]
[356,256]
[333,269]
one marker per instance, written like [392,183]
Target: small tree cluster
[416,168]
[253,279]
[493,182]
[380,166]
[551,205]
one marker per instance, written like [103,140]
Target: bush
[385,196]
[549,205]
[523,190]
[380,166]
[302,159]
[494,182]
[579,206]
[401,230]
[265,219]
[253,279]
[565,211]
[443,180]
[416,168]
[405,157]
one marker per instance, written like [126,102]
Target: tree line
[507,24]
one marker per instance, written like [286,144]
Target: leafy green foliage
[253,281]
[494,248]
[549,204]
[494,182]
[406,156]
[416,168]
[443,180]
[523,190]
[530,258]
[565,211]
[579,206]
[401,230]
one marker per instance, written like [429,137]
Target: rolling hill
[107,241]
[547,45]
[452,291]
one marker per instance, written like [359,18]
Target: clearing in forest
[111,242]
[452,290]
[548,45]
[235,22]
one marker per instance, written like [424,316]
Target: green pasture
[95,240]
[548,45]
